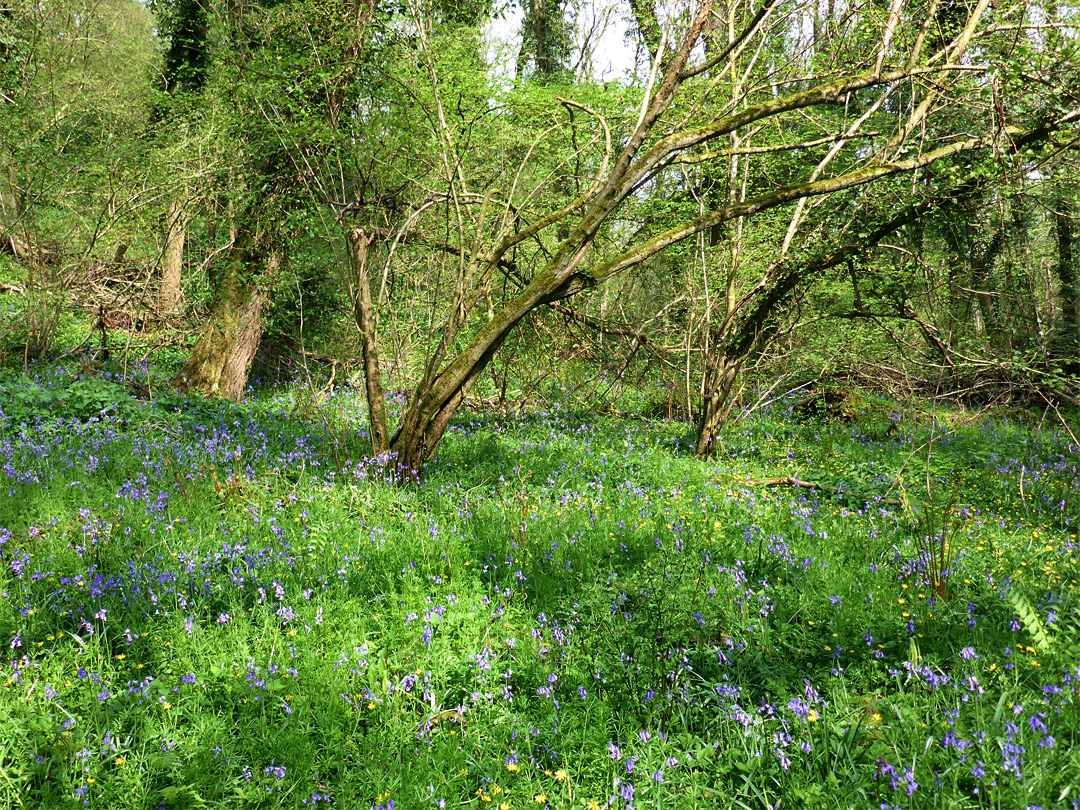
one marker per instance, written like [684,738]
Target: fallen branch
[840,492]
[792,481]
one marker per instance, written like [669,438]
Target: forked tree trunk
[364,315]
[220,362]
[716,403]
[750,327]
[172,261]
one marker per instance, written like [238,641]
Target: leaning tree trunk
[220,362]
[434,405]
[569,271]
[751,324]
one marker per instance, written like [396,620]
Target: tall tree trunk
[982,276]
[544,39]
[1067,275]
[364,315]
[221,359]
[172,260]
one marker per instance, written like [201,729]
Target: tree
[289,70]
[545,41]
[900,87]
[1068,259]
[75,82]
[185,27]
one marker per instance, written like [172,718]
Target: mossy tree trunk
[1068,345]
[1066,267]
[219,363]
[280,151]
[716,403]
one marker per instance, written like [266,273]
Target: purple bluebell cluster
[562,607]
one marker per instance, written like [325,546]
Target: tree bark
[222,357]
[364,315]
[716,403]
[172,261]
[1066,268]
[1068,345]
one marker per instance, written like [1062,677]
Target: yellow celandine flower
[560,775]
[504,806]
[119,761]
[812,716]
[540,798]
[593,805]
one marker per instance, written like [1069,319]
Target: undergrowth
[205,604]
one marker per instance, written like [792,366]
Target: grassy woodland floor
[207,605]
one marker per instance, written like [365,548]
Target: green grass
[204,605]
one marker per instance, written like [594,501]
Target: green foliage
[1034,625]
[26,401]
[230,605]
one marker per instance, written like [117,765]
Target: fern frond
[1030,619]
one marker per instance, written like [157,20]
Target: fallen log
[840,492]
